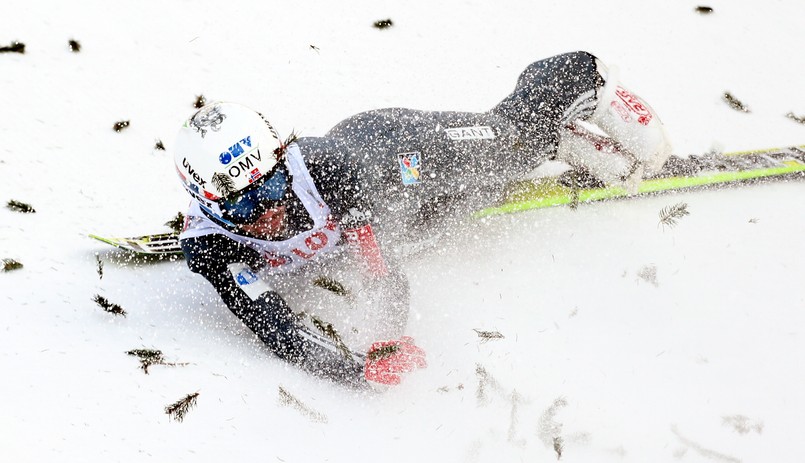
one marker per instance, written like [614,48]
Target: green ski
[745,166]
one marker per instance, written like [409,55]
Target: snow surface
[630,341]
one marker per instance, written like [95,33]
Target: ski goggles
[248,205]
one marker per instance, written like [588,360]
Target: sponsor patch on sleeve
[410,167]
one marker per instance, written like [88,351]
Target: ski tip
[157,244]
[104,240]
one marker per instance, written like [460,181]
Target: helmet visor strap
[248,205]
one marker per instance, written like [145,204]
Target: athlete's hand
[386,361]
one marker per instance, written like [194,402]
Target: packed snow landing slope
[624,341]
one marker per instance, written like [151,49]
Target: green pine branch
[550,430]
[734,103]
[224,184]
[459,387]
[329,331]
[108,306]
[15,47]
[287,399]
[383,352]
[670,215]
[486,336]
[333,286]
[149,357]
[485,381]
[795,118]
[558,446]
[383,23]
[99,266]
[179,409]
[177,223]
[19,206]
[11,264]
[200,102]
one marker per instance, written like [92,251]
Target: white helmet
[222,150]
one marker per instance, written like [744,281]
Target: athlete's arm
[231,268]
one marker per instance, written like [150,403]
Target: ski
[158,244]
[680,174]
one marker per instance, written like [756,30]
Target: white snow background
[624,341]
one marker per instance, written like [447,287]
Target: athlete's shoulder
[320,150]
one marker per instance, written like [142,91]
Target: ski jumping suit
[374,178]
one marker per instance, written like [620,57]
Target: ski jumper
[378,177]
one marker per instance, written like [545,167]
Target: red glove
[386,360]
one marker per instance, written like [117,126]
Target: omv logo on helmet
[235,150]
